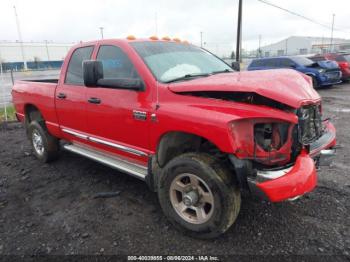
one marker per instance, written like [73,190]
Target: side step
[135,170]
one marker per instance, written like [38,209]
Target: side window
[75,67]
[286,63]
[270,62]
[116,64]
[256,63]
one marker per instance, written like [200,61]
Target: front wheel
[315,83]
[198,196]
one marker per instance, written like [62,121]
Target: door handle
[94,100]
[61,96]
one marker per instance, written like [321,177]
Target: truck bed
[52,81]
[37,93]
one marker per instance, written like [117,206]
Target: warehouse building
[303,45]
[37,55]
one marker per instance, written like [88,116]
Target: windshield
[302,60]
[169,61]
[347,58]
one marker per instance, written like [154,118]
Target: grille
[333,75]
[310,124]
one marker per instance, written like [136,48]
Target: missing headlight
[271,136]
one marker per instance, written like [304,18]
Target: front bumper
[330,82]
[293,181]
[330,78]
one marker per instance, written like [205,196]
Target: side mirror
[293,66]
[121,83]
[236,66]
[92,72]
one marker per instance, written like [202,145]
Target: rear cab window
[74,75]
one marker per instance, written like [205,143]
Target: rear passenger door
[70,95]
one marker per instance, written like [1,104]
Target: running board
[132,169]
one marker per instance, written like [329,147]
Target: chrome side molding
[120,164]
[117,146]
[71,132]
[104,142]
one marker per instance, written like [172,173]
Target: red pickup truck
[179,118]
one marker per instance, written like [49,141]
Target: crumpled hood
[283,85]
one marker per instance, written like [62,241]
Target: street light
[201,39]
[20,39]
[47,51]
[331,45]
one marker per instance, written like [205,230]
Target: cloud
[72,21]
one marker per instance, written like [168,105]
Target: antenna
[157,95]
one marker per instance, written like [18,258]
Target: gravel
[51,209]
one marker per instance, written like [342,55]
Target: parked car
[323,73]
[180,119]
[343,60]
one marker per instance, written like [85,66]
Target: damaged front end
[281,162]
[276,147]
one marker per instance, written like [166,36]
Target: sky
[73,20]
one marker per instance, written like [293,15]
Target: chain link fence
[7,78]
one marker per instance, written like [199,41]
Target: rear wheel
[198,196]
[45,146]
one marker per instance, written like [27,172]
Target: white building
[11,52]
[302,45]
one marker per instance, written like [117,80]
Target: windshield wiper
[221,71]
[185,77]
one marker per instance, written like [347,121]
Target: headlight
[321,71]
[271,136]
[265,141]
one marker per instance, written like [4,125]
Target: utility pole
[101,31]
[259,50]
[331,45]
[239,33]
[156,22]
[1,83]
[201,39]
[1,69]
[47,51]
[20,39]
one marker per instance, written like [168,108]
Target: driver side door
[113,115]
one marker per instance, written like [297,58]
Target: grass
[10,114]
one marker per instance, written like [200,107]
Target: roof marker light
[131,37]
[166,38]
[176,39]
[153,37]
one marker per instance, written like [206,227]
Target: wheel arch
[31,113]
[174,143]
